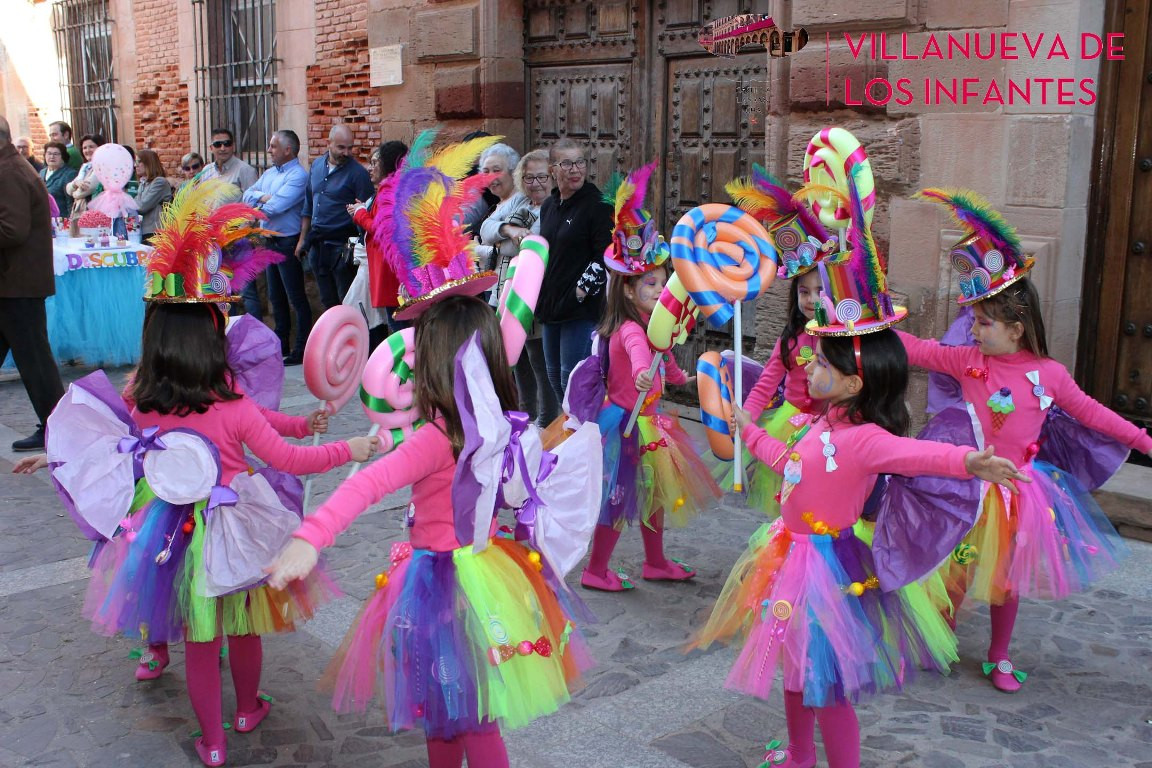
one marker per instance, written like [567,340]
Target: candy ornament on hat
[799,236]
[636,247]
[854,296]
[988,259]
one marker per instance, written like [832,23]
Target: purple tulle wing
[254,356]
[588,385]
[921,520]
[943,390]
[751,372]
[1090,456]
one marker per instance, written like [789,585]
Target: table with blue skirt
[97,313]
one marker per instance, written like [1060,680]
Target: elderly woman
[498,241]
[85,186]
[155,191]
[57,174]
[190,165]
[578,225]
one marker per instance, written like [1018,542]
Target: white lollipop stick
[308,482]
[356,465]
[643,395]
[737,386]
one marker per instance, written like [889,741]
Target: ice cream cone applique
[1001,405]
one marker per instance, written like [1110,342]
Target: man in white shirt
[227,166]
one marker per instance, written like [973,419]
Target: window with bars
[83,34]
[236,72]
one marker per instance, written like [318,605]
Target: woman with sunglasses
[190,165]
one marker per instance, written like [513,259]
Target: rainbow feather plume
[185,234]
[766,199]
[418,153]
[812,189]
[626,194]
[972,211]
[865,255]
[456,160]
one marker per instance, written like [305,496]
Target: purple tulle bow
[149,440]
[221,496]
[526,515]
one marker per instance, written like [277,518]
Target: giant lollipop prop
[672,320]
[387,391]
[520,293]
[724,256]
[829,161]
[334,357]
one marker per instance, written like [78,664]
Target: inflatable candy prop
[714,384]
[672,320]
[723,256]
[334,357]
[387,391]
[520,293]
[829,161]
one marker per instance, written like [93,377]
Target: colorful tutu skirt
[146,583]
[1046,542]
[454,641]
[657,469]
[810,605]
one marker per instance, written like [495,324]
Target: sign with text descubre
[86,259]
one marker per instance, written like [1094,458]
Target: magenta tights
[484,750]
[604,543]
[838,726]
[245,657]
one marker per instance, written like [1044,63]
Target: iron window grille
[235,69]
[83,33]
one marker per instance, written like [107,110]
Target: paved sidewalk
[68,698]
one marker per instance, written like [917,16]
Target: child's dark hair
[1020,303]
[440,333]
[794,326]
[881,399]
[184,363]
[618,308]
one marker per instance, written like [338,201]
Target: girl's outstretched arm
[934,356]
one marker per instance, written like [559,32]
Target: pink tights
[484,749]
[1003,619]
[245,657]
[605,538]
[838,726]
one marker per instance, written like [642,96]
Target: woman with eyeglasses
[155,191]
[578,225]
[190,165]
[57,174]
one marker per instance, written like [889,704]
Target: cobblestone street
[68,697]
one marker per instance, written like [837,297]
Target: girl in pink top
[656,471]
[1052,539]
[455,641]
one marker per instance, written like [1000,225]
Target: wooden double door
[628,80]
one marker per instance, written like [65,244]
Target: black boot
[34,442]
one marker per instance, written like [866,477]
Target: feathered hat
[854,297]
[988,259]
[796,233]
[206,248]
[422,215]
[636,247]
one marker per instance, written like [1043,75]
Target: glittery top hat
[798,235]
[854,297]
[421,216]
[206,249]
[988,258]
[636,247]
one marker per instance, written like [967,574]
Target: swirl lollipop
[520,293]
[829,160]
[723,255]
[387,391]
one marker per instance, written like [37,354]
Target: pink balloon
[335,356]
[112,165]
[389,385]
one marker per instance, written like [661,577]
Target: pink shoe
[246,722]
[611,581]
[153,660]
[1005,676]
[211,756]
[775,757]
[672,570]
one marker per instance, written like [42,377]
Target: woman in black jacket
[577,224]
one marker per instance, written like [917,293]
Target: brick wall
[338,83]
[37,129]
[159,98]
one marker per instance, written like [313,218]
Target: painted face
[502,185]
[827,383]
[646,290]
[994,337]
[807,291]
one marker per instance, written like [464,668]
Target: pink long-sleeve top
[981,377]
[423,461]
[795,379]
[234,424]
[629,355]
[834,494]
[285,425]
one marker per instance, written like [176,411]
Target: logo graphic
[732,34]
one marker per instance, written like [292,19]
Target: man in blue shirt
[335,181]
[279,193]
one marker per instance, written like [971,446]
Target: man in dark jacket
[578,225]
[25,281]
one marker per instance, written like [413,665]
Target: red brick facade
[338,83]
[159,98]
